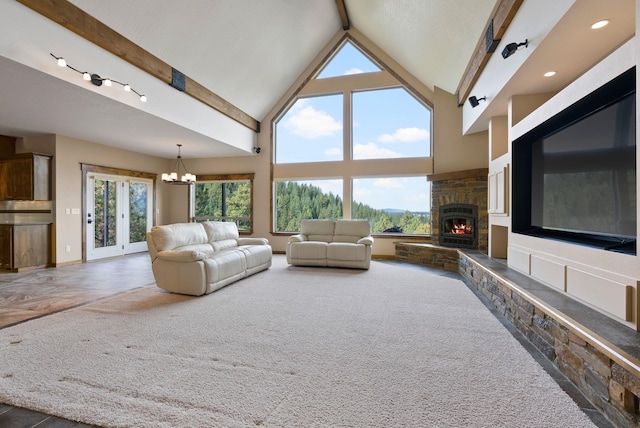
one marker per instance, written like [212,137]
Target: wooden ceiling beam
[494,30]
[76,20]
[344,16]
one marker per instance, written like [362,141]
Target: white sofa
[199,258]
[336,243]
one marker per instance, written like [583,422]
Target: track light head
[511,48]
[257,150]
[474,101]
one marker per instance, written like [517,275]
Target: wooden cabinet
[25,177]
[6,249]
[25,246]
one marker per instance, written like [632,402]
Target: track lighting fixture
[474,101]
[176,177]
[511,48]
[97,80]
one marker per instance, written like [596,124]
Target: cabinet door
[31,245]
[41,178]
[22,179]
[5,179]
[6,248]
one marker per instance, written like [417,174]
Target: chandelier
[172,177]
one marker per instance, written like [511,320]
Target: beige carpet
[289,347]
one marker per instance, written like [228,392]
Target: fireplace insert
[458,226]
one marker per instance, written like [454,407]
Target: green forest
[224,201]
[296,201]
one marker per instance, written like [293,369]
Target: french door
[119,213]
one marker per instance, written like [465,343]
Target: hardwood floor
[32,294]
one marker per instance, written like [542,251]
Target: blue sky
[387,123]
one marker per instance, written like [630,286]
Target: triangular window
[348,60]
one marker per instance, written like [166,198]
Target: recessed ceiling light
[599,24]
[549,73]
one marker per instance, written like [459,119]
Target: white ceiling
[250,52]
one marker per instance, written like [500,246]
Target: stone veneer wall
[601,377]
[461,187]
[427,255]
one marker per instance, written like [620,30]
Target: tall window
[224,198]
[354,143]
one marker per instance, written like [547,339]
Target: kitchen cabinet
[25,246]
[25,177]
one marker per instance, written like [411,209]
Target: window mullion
[347,120]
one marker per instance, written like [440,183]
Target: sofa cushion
[171,236]
[351,230]
[256,255]
[220,230]
[317,230]
[346,251]
[308,250]
[223,244]
[181,255]
[225,264]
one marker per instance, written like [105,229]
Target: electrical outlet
[67,248]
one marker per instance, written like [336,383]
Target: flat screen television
[574,176]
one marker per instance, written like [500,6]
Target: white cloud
[360,193]
[388,183]
[372,151]
[419,197]
[307,122]
[327,186]
[405,135]
[353,71]
[333,152]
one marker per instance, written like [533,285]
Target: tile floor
[37,293]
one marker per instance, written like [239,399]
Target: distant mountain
[397,211]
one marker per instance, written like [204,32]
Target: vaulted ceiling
[248,53]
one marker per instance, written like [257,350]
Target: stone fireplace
[459,216]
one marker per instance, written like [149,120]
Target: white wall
[453,151]
[68,154]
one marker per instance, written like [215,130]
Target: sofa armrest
[367,240]
[181,255]
[298,238]
[253,241]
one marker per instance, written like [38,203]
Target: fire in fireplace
[458,226]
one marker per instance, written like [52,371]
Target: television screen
[574,175]
[588,174]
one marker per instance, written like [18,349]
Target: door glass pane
[137,212]
[105,226]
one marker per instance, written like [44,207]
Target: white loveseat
[199,258]
[337,243]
